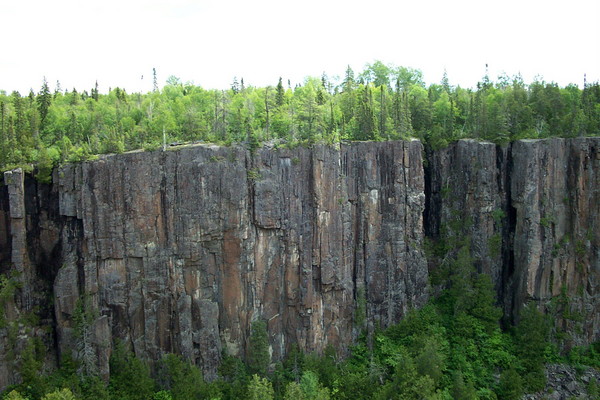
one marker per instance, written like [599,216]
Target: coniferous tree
[279,94]
[95,94]
[154,81]
[235,86]
[258,351]
[44,99]
[366,127]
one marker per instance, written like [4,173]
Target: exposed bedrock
[531,214]
[181,250]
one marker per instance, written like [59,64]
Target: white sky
[208,42]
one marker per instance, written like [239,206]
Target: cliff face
[555,193]
[180,251]
[531,214]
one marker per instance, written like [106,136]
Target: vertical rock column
[18,229]
[557,241]
[384,228]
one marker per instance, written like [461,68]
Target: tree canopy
[383,102]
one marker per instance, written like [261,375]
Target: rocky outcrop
[555,193]
[530,212]
[566,382]
[28,249]
[182,250]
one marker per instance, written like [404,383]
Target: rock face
[566,382]
[181,251]
[555,193]
[28,252]
[531,213]
[468,195]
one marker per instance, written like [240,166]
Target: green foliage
[14,395]
[8,286]
[84,316]
[495,244]
[162,395]
[360,314]
[461,389]
[361,106]
[64,394]
[183,380]
[531,335]
[293,391]
[32,357]
[585,355]
[593,389]
[260,389]
[254,174]
[511,385]
[498,215]
[310,387]
[129,376]
[259,357]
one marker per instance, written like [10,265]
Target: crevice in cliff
[164,202]
[431,210]
[250,177]
[506,292]
[43,237]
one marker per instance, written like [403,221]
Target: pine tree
[95,92]
[445,82]
[57,89]
[280,94]
[349,82]
[367,129]
[20,121]
[154,81]
[258,351]
[44,99]
[235,86]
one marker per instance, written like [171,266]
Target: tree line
[382,102]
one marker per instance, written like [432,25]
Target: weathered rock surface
[531,213]
[468,198]
[28,248]
[565,382]
[180,251]
[555,193]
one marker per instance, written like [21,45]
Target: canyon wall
[182,250]
[531,214]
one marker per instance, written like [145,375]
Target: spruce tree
[258,351]
[280,94]
[367,129]
[44,99]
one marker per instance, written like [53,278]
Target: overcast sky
[209,42]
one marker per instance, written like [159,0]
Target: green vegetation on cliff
[382,102]
[453,348]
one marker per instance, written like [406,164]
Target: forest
[383,102]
